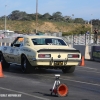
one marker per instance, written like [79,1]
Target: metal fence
[81,39]
[6,40]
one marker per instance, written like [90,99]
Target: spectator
[87,33]
[95,35]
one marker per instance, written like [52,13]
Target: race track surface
[83,84]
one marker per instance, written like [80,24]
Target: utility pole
[5,17]
[36,14]
[73,17]
[91,23]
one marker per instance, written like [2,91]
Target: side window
[56,42]
[38,41]
[18,42]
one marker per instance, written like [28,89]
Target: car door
[16,55]
[16,50]
[10,56]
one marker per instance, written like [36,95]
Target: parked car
[32,52]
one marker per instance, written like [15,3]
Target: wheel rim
[24,65]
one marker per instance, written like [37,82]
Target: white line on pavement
[87,68]
[73,80]
[24,93]
[66,79]
[82,82]
[88,71]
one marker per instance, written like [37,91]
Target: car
[40,51]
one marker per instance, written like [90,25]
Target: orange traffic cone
[82,62]
[62,90]
[1,72]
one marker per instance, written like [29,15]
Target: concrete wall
[84,49]
[81,48]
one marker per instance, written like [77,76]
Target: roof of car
[39,36]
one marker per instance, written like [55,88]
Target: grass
[44,26]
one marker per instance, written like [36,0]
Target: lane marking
[73,81]
[24,93]
[87,67]
[88,71]
[65,79]
[61,79]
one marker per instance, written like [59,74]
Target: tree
[46,16]
[31,16]
[67,19]
[39,15]
[79,20]
[57,16]
[95,22]
[17,15]
[2,17]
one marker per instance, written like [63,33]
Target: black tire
[69,69]
[3,61]
[25,65]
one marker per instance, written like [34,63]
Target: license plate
[58,63]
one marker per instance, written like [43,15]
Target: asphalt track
[83,84]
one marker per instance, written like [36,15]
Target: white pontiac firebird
[36,51]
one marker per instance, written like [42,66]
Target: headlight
[44,55]
[73,55]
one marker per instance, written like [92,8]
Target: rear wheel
[3,61]
[26,66]
[69,69]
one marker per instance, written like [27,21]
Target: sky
[86,9]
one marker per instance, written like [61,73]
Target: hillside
[45,26]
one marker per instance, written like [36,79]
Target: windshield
[48,41]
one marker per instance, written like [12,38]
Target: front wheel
[3,61]
[69,69]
